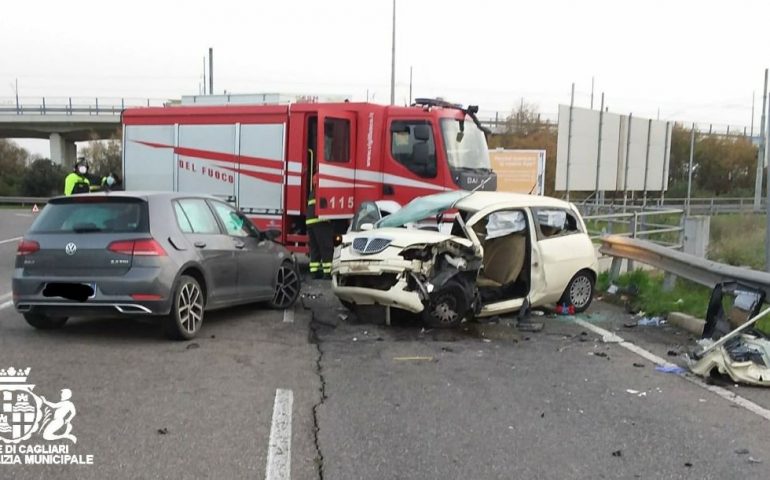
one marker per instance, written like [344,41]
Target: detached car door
[217,251]
[257,257]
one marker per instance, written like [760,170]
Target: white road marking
[5,305]
[288,315]
[279,446]
[23,214]
[726,394]
[9,240]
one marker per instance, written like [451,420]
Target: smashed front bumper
[378,283]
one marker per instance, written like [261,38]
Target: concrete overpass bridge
[64,121]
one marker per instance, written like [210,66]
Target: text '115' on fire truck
[264,156]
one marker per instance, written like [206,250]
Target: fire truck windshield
[466,145]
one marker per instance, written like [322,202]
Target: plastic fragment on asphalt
[413,359]
[631,391]
[754,460]
[617,453]
[742,451]
[670,368]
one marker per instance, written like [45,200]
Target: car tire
[580,291]
[448,306]
[287,287]
[44,322]
[186,316]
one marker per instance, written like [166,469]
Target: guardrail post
[97,105]
[70,103]
[635,219]
[615,268]
[43,112]
[669,282]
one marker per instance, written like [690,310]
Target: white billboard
[579,165]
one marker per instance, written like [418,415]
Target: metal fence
[73,105]
[662,227]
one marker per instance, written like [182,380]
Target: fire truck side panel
[336,165]
[207,160]
[368,160]
[146,167]
[262,174]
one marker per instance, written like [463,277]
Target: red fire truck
[263,157]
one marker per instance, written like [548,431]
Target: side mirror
[365,227]
[271,235]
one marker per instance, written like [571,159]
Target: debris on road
[670,368]
[617,453]
[163,431]
[192,346]
[754,460]
[651,322]
[599,354]
[413,359]
[672,353]
[639,365]
[742,451]
[729,344]
[688,464]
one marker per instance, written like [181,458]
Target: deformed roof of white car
[480,200]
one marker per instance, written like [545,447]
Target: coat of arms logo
[24,413]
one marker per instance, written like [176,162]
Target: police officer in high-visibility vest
[78,181]
[320,237]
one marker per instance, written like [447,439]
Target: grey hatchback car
[147,253]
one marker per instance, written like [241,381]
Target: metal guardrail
[696,269]
[73,106]
[24,201]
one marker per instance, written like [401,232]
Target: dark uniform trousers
[321,241]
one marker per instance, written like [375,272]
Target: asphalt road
[398,402]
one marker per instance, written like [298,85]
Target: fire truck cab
[263,157]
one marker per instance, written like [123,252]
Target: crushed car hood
[404,237]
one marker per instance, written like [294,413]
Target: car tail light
[147,247]
[27,247]
[143,297]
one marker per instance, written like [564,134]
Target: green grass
[686,296]
[738,240]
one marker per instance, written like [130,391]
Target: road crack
[316,340]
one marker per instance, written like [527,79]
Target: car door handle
[239,245]
[200,244]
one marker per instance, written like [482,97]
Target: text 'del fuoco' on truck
[263,157]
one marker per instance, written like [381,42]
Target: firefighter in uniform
[320,237]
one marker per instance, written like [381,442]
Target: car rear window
[93,215]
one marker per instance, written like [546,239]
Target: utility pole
[410,85]
[393,60]
[569,135]
[761,153]
[689,170]
[767,201]
[752,117]
[211,71]
[204,74]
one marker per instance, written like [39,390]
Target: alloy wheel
[190,308]
[286,287]
[580,291]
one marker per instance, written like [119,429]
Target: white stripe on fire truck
[293,180]
[325,182]
[295,167]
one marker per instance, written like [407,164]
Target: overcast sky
[694,60]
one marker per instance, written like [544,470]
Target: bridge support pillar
[63,151]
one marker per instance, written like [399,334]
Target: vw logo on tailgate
[70,248]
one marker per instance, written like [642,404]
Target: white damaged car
[485,253]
